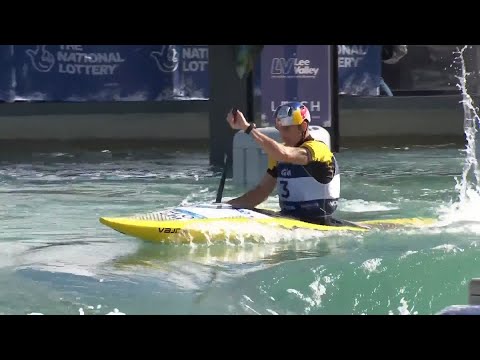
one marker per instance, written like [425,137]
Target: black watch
[250,128]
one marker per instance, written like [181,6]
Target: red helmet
[292,113]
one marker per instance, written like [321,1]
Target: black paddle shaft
[225,168]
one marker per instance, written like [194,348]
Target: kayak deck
[206,230]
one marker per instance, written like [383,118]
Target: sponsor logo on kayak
[176,215]
[169,230]
[248,213]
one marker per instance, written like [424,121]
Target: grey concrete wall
[164,126]
[362,120]
[107,121]
[401,120]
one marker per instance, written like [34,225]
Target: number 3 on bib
[285,192]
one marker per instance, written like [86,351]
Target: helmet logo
[293,113]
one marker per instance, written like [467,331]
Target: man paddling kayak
[304,170]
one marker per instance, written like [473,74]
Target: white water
[467,206]
[470,177]
[364,206]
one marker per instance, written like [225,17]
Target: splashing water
[468,203]
[471,119]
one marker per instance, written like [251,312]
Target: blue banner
[63,73]
[298,73]
[359,69]
[7,75]
[111,72]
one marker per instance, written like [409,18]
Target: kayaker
[304,170]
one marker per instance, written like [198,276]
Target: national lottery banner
[63,73]
[359,69]
[110,72]
[297,73]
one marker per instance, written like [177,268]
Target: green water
[57,258]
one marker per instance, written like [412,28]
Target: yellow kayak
[221,222]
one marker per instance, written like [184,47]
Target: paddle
[222,181]
[224,174]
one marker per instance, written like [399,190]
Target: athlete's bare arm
[257,195]
[277,151]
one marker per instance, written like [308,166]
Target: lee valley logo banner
[297,73]
[110,72]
